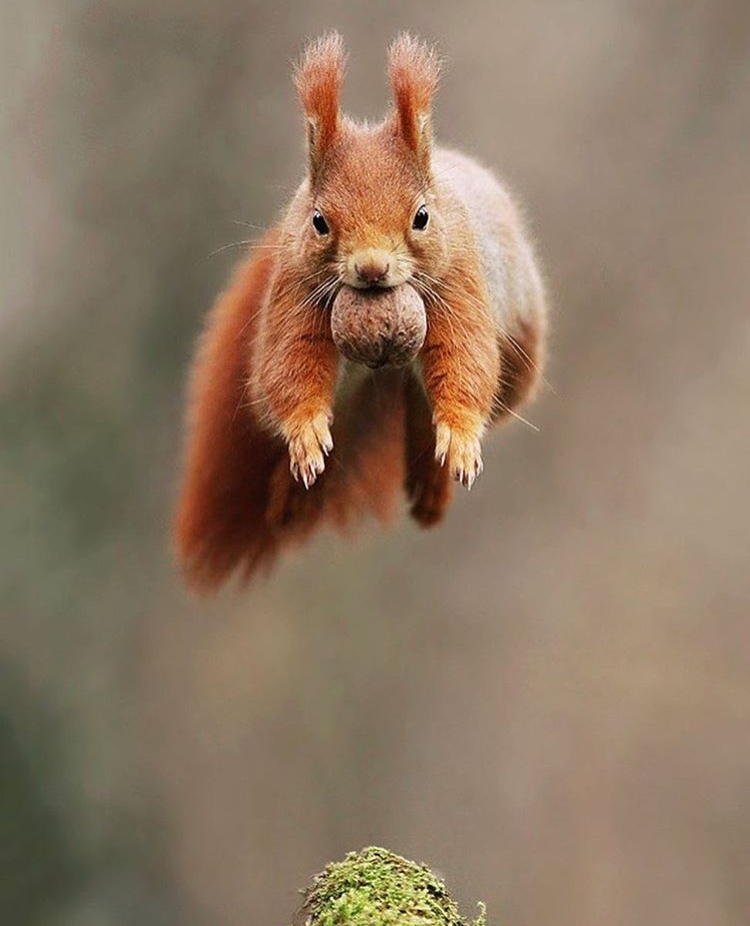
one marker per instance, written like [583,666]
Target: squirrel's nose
[371,273]
[371,267]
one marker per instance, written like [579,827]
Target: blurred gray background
[548,699]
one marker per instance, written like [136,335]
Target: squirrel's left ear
[414,69]
[318,76]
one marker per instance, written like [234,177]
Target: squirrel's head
[369,212]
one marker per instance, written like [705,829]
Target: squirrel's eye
[421,218]
[319,223]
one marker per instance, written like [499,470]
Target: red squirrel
[284,433]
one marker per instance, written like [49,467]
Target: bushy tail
[220,522]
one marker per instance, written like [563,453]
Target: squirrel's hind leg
[290,504]
[521,361]
[428,484]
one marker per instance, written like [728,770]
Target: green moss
[374,887]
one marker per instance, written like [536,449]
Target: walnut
[379,327]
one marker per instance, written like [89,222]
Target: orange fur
[285,436]
[221,519]
[318,78]
[414,71]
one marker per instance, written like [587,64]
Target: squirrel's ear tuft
[414,68]
[318,76]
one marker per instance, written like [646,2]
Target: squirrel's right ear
[318,76]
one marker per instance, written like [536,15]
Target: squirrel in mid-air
[293,420]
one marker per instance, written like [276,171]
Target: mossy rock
[374,887]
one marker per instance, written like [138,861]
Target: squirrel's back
[513,282]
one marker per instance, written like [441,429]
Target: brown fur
[428,485]
[521,368]
[283,435]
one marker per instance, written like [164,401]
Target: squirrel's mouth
[372,284]
[371,287]
[374,270]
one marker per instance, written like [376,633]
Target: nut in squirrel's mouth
[379,326]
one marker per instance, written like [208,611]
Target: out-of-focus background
[548,699]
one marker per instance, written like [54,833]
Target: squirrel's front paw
[460,447]
[309,442]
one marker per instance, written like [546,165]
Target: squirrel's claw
[462,450]
[308,446]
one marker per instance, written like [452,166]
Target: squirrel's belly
[353,377]
[350,379]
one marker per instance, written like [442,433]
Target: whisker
[247,243]
[226,247]
[247,224]
[513,413]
